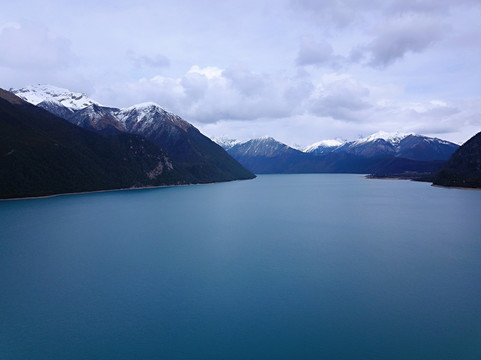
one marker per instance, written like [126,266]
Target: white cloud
[191,57]
[241,103]
[27,45]
[212,94]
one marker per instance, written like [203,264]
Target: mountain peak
[225,142]
[267,137]
[390,137]
[322,145]
[148,109]
[264,146]
[36,94]
[145,105]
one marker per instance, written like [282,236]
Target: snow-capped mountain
[43,154]
[323,146]
[36,94]
[418,147]
[378,144]
[380,153]
[403,145]
[265,146]
[268,156]
[97,118]
[192,153]
[390,137]
[186,145]
[147,117]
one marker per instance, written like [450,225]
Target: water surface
[280,267]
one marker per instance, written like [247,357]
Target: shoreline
[456,187]
[408,179]
[89,192]
[120,189]
[386,178]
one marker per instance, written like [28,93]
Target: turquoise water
[280,267]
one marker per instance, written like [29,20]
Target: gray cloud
[245,81]
[426,6]
[408,34]
[341,99]
[155,61]
[287,80]
[208,95]
[340,13]
[319,53]
[343,13]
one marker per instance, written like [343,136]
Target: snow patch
[225,142]
[35,94]
[330,143]
[390,137]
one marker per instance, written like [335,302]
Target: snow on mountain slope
[265,146]
[323,146]
[391,137]
[146,117]
[406,145]
[225,142]
[36,94]
[56,108]
[98,118]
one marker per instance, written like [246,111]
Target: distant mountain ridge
[409,146]
[196,156]
[372,155]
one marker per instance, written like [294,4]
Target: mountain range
[409,146]
[380,154]
[57,141]
[197,157]
[61,142]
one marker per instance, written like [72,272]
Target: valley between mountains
[56,141]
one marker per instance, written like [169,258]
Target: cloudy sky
[298,70]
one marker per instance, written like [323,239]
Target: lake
[321,266]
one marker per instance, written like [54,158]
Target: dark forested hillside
[41,154]
[464,167]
